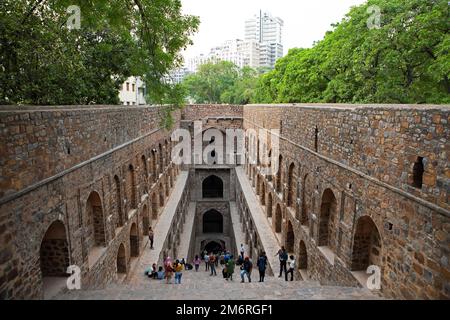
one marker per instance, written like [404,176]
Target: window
[128,86]
[418,170]
[133,87]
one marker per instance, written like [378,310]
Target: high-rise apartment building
[267,31]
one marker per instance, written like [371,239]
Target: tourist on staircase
[283,256]
[206,259]
[197,262]
[178,271]
[262,264]
[230,267]
[291,264]
[246,269]
[168,269]
[242,251]
[161,275]
[212,264]
[150,237]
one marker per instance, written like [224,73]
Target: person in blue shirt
[161,274]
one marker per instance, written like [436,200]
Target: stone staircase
[201,286]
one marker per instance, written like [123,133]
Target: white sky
[305,21]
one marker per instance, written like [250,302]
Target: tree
[45,62]
[211,81]
[404,61]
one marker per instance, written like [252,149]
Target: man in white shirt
[291,268]
[242,251]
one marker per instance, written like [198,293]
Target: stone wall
[202,111]
[342,165]
[55,186]
[364,157]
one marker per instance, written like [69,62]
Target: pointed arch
[367,245]
[96,221]
[327,218]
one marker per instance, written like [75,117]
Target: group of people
[169,269]
[287,264]
[227,261]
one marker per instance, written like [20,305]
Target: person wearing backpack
[168,268]
[282,256]
[197,262]
[230,268]
[262,264]
[178,271]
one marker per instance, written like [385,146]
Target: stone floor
[201,286]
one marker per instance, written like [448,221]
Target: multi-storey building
[266,30]
[132,92]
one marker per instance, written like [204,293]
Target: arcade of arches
[336,211]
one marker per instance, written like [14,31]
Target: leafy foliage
[221,82]
[42,61]
[406,60]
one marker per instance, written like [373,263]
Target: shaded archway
[214,247]
[167,187]
[121,261]
[134,241]
[290,238]
[212,187]
[145,220]
[161,158]
[132,186]
[279,173]
[161,195]
[269,205]
[291,185]
[144,169]
[263,194]
[366,245]
[154,165]
[119,211]
[96,221]
[278,219]
[212,222]
[303,256]
[327,219]
[306,199]
[154,206]
[54,251]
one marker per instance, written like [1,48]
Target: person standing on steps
[168,269]
[150,237]
[197,262]
[246,269]
[262,264]
[212,264]
[178,271]
[291,268]
[283,256]
[242,251]
[206,259]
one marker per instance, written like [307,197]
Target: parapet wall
[345,193]
[381,141]
[40,142]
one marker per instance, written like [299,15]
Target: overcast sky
[305,21]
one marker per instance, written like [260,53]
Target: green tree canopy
[406,60]
[42,61]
